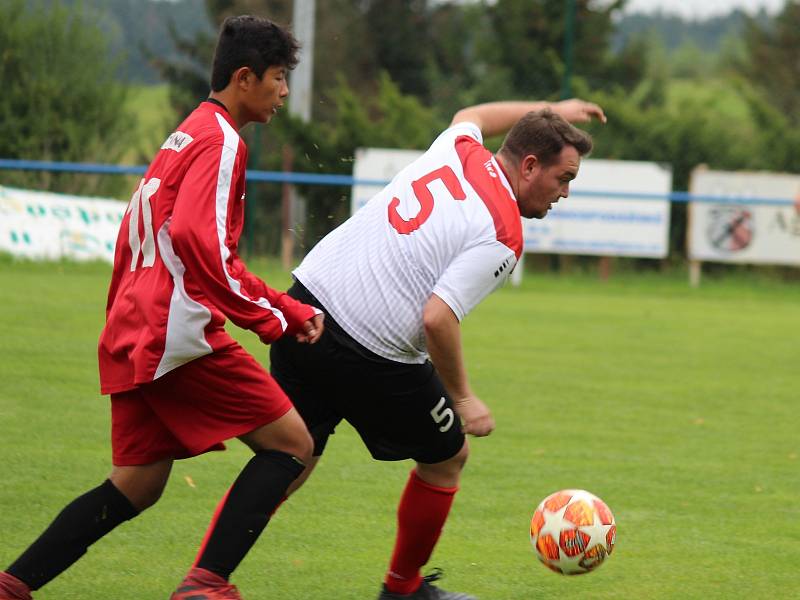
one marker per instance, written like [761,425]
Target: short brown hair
[544,134]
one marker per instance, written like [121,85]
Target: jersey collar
[220,108]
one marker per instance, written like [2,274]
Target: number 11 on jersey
[140,202]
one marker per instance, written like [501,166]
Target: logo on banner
[731,228]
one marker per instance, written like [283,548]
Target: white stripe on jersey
[226,163]
[185,339]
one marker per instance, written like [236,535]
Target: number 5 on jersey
[140,203]
[425,199]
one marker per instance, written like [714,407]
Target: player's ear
[528,164]
[241,77]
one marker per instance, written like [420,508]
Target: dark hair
[544,134]
[255,42]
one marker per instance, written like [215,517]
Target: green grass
[678,407]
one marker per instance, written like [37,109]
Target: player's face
[541,186]
[265,96]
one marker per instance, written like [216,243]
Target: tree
[528,39]
[399,37]
[772,64]
[61,100]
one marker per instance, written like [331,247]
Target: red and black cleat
[200,584]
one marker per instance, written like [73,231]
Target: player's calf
[82,522]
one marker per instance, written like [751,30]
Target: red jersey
[177,275]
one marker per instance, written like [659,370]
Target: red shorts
[194,408]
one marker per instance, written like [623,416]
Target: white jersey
[448,224]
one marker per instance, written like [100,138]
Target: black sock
[258,490]
[82,522]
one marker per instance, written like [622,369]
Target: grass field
[678,407]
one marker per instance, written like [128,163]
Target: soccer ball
[572,532]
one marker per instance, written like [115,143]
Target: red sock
[213,524]
[421,515]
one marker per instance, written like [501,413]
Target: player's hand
[312,330]
[476,418]
[578,111]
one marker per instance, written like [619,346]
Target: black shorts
[400,410]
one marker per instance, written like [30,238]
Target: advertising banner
[44,225]
[749,224]
[612,221]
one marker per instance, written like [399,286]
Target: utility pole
[300,92]
[560,262]
[301,77]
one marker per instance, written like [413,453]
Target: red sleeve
[206,242]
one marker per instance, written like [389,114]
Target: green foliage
[401,40]
[530,40]
[772,59]
[61,100]
[155,120]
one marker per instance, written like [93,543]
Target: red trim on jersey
[498,200]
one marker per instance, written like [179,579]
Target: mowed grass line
[678,407]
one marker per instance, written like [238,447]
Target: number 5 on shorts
[439,414]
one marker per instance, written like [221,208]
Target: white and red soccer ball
[572,532]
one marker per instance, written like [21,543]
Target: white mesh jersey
[448,224]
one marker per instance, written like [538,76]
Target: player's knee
[302,447]
[447,472]
[455,465]
[142,496]
[148,498]
[141,485]
[298,443]
[460,459]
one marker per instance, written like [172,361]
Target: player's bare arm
[443,335]
[495,118]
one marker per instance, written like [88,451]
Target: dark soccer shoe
[427,591]
[200,584]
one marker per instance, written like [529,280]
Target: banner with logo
[44,225]
[741,229]
[603,225]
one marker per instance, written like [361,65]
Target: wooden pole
[287,235]
[604,268]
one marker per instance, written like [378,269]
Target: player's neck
[508,170]
[228,102]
